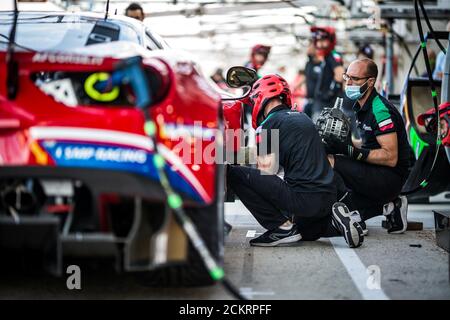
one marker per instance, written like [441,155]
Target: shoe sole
[403,215]
[363,227]
[353,232]
[291,239]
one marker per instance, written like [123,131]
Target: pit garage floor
[385,267]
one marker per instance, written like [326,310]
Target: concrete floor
[385,267]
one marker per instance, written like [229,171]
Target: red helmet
[319,33]
[269,86]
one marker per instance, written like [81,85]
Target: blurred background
[221,33]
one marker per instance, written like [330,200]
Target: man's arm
[267,163]
[387,155]
[266,159]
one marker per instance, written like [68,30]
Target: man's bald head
[370,67]
[362,74]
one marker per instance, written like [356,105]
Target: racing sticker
[134,160]
[65,58]
[97,156]
[91,135]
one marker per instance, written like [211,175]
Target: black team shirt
[301,153]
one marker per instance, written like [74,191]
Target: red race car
[77,167]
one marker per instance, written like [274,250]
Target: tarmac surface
[384,267]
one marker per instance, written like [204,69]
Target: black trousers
[369,186]
[272,201]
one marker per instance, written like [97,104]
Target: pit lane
[324,269]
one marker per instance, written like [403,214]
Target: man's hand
[346,148]
[334,146]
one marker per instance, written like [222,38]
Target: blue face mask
[356,92]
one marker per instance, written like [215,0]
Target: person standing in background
[365,51]
[258,57]
[134,10]
[438,72]
[327,84]
[312,72]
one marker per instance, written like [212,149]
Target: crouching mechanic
[299,206]
[374,171]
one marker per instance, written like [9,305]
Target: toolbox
[442,225]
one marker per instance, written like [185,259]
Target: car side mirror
[241,76]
